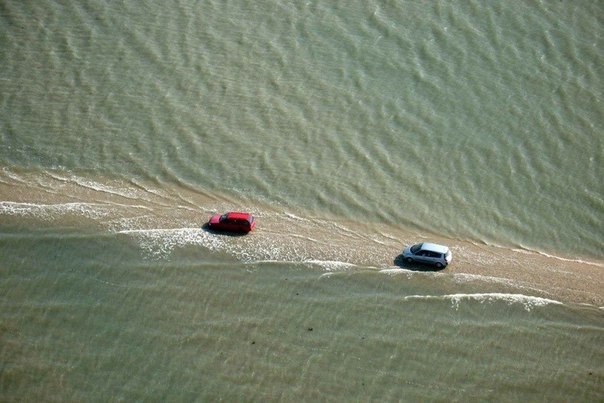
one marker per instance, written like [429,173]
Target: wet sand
[130,208]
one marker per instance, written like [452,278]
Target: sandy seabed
[179,214]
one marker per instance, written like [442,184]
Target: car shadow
[403,264]
[207,229]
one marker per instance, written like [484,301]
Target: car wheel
[439,265]
[408,260]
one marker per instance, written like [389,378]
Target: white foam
[395,270]
[127,192]
[529,302]
[563,259]
[159,243]
[467,277]
[267,261]
[409,272]
[526,252]
[379,241]
[345,231]
[295,217]
[49,211]
[12,175]
[330,265]
[571,260]
[305,238]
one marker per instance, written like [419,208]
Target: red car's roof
[236,215]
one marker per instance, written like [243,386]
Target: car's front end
[214,221]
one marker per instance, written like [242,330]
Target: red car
[232,221]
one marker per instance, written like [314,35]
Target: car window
[415,248]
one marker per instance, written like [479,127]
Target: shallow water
[108,324]
[349,132]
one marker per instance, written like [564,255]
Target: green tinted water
[349,131]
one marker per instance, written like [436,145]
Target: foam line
[330,265]
[527,301]
[49,210]
[159,243]
[571,260]
[295,217]
[126,192]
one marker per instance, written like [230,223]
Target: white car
[429,253]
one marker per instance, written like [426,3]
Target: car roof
[236,215]
[434,247]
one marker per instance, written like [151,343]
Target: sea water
[349,130]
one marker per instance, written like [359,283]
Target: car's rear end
[244,222]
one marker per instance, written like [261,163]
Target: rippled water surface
[350,130]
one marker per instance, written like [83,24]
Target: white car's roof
[434,247]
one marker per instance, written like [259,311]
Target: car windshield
[416,248]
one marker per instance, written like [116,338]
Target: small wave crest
[122,190]
[527,301]
[51,211]
[331,265]
[160,243]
